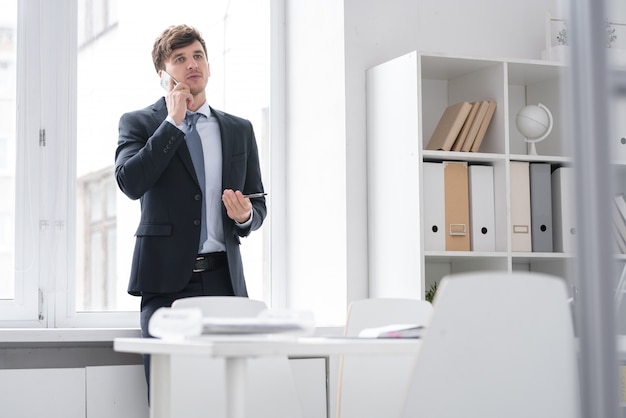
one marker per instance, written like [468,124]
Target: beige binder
[456,206]
[521,238]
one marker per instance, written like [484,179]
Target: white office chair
[498,345]
[374,386]
[271,389]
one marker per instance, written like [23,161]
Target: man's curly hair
[173,38]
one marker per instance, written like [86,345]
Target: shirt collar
[203,110]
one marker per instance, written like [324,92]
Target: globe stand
[531,149]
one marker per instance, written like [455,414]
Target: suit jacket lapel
[226,134]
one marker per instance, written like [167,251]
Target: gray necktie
[195,149]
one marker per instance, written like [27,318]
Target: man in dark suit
[193,212]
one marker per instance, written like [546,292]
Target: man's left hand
[237,206]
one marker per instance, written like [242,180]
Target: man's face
[189,65]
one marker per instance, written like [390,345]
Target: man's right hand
[178,99]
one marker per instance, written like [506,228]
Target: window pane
[8,59]
[116,75]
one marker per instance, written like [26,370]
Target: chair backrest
[223,306]
[498,345]
[378,312]
[372,386]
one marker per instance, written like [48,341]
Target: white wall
[330,45]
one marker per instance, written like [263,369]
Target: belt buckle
[199,258]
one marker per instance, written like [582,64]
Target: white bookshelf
[406,97]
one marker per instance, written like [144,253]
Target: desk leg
[236,387]
[160,378]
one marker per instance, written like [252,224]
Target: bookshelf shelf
[406,97]
[461,254]
[561,161]
[528,257]
[428,155]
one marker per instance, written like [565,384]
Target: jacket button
[196,222]
[197,197]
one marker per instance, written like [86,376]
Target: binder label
[520,229]
[457,229]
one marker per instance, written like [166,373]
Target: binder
[619,229]
[620,245]
[460,140]
[449,126]
[622,379]
[541,207]
[482,130]
[434,214]
[482,208]
[620,203]
[456,203]
[471,135]
[618,131]
[618,210]
[563,210]
[521,235]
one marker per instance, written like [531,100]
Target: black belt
[209,261]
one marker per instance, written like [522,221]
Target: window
[68,261]
[95,18]
[96,239]
[8,58]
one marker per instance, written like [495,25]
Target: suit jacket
[153,164]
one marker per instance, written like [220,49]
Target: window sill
[81,337]
[58,337]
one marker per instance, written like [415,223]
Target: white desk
[236,351]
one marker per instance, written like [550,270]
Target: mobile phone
[252,195]
[165,80]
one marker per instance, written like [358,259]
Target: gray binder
[541,207]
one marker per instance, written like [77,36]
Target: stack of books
[462,126]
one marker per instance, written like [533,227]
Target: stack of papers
[269,321]
[181,323]
[394,331]
[254,325]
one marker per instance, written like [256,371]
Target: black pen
[252,195]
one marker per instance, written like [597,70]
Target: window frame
[25,309]
[47,55]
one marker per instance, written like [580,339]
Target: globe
[535,123]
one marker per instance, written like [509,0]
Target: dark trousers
[213,282]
